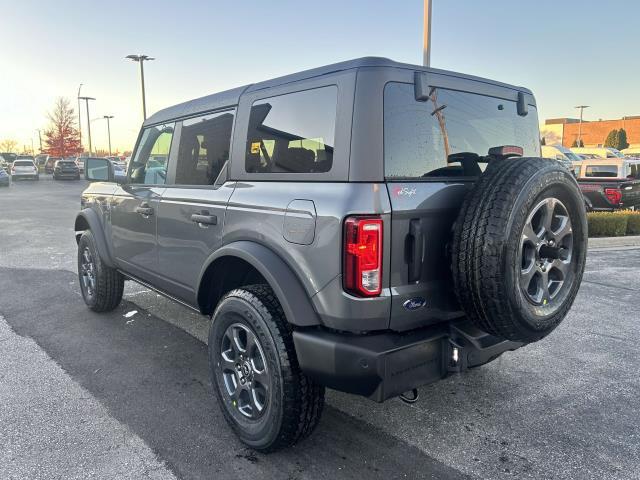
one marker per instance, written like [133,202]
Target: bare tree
[8,145]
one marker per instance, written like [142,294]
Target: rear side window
[149,166]
[293,133]
[421,137]
[204,148]
[601,171]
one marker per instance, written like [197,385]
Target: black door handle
[416,252]
[204,218]
[144,209]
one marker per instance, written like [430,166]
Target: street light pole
[39,139]
[79,117]
[109,117]
[581,108]
[426,34]
[86,99]
[141,59]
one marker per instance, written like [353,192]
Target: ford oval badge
[414,303]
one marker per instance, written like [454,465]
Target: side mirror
[98,170]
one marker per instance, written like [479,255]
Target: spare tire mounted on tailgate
[519,248]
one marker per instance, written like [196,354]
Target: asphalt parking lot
[115,396]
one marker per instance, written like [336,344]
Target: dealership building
[594,133]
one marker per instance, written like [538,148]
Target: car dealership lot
[563,408]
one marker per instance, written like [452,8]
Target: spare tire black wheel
[519,248]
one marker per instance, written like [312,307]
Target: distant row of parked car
[18,167]
[609,179]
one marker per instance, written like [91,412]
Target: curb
[614,242]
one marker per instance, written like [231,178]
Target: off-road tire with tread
[486,246]
[109,282]
[296,402]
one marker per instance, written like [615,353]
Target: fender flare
[292,296]
[95,225]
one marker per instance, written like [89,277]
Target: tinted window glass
[149,166]
[293,133]
[601,171]
[420,137]
[23,163]
[204,148]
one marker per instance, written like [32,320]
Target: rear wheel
[264,396]
[519,248]
[101,285]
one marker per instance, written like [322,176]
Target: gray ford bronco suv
[367,226]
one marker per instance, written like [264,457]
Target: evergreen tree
[612,139]
[574,144]
[543,141]
[622,139]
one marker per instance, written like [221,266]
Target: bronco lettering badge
[414,303]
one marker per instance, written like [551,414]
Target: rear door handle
[144,209]
[204,218]
[416,253]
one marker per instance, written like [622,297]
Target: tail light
[613,195]
[363,256]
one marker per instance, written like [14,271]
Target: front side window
[293,133]
[601,171]
[422,139]
[204,148]
[149,166]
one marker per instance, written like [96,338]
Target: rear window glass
[66,163]
[293,133]
[204,148]
[23,163]
[421,137]
[601,171]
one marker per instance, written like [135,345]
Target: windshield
[572,156]
[421,139]
[615,153]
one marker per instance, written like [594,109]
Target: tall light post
[107,118]
[86,99]
[39,138]
[426,35]
[141,59]
[79,116]
[581,108]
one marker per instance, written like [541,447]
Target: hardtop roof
[231,97]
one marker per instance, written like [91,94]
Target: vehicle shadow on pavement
[154,378]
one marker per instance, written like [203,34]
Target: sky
[569,52]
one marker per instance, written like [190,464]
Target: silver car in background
[24,167]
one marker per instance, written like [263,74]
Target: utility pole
[107,118]
[86,99]
[141,59]
[426,40]
[33,151]
[79,117]
[39,139]
[581,108]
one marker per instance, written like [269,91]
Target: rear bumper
[20,176]
[384,365]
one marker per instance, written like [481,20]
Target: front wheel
[264,396]
[101,285]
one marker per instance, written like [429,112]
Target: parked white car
[24,167]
